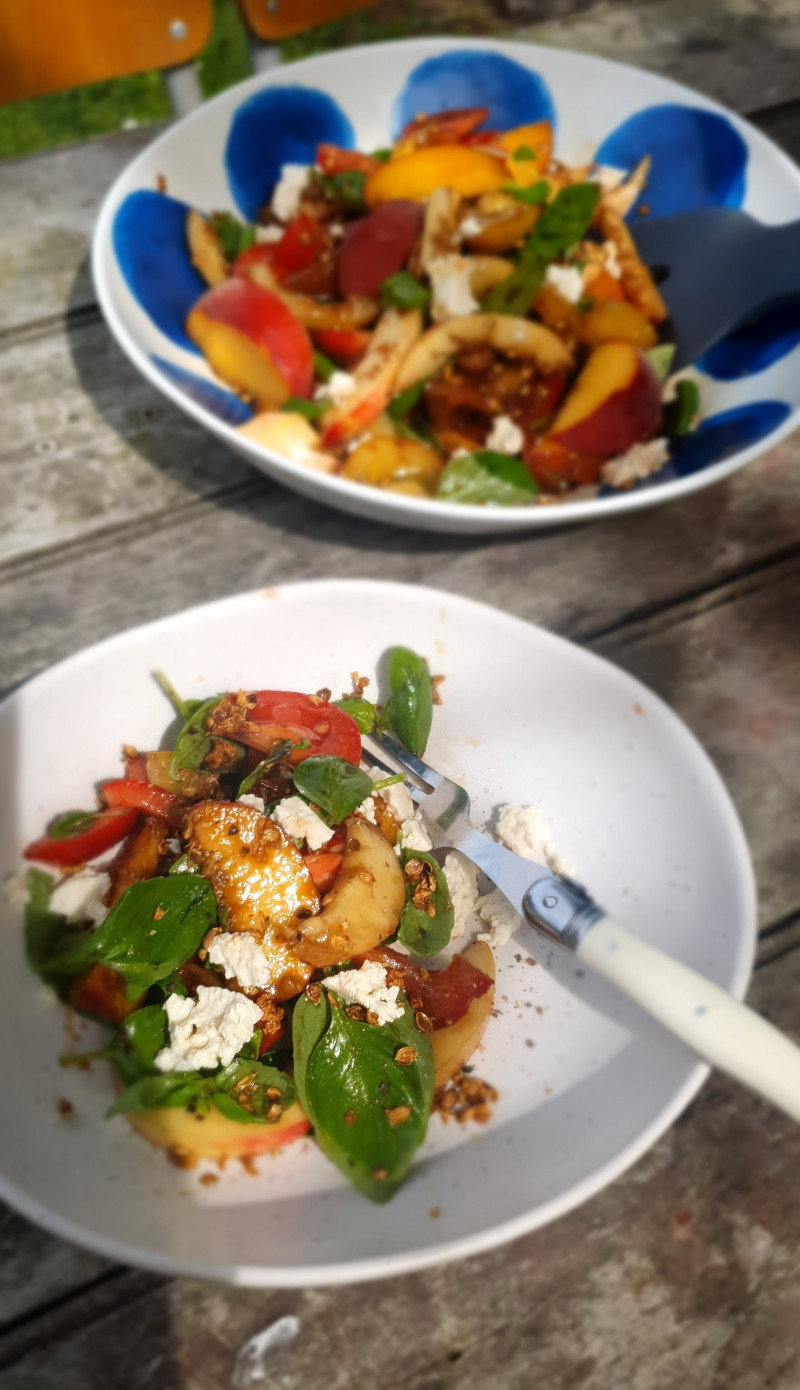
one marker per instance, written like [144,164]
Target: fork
[722,1031]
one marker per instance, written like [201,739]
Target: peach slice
[454,1046]
[291,435]
[375,377]
[205,251]
[253,341]
[214,1136]
[611,320]
[615,403]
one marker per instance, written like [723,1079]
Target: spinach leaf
[369,1113]
[154,928]
[194,743]
[182,866]
[486,478]
[422,933]
[408,712]
[403,403]
[333,784]
[72,823]
[324,368]
[346,189]
[185,708]
[234,236]
[680,412]
[47,936]
[403,291]
[561,225]
[310,410]
[362,711]
[274,756]
[660,359]
[238,1091]
[158,1092]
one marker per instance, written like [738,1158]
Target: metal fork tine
[418,796]
[412,765]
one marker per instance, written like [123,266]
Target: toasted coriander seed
[404,1056]
[365,876]
[349,1117]
[372,1018]
[274,1112]
[313,993]
[398,1115]
[414,869]
[423,1022]
[356,1012]
[378,1174]
[273,1093]
[431,910]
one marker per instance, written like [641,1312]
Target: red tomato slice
[446,127]
[377,246]
[332,159]
[445,995]
[140,796]
[300,245]
[554,466]
[328,729]
[136,768]
[107,829]
[345,345]
[323,867]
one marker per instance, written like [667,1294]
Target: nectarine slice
[253,341]
[453,1046]
[215,1136]
[612,320]
[615,403]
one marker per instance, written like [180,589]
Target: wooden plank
[49,203]
[36,1269]
[684,1272]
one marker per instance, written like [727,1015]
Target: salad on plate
[458,316]
[252,913]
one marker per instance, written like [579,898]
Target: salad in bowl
[458,316]
[251,913]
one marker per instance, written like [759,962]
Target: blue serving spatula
[714,268]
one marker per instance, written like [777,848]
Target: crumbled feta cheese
[80,897]
[368,988]
[567,280]
[367,810]
[257,802]
[451,288]
[299,822]
[639,462]
[413,834]
[266,235]
[241,957]
[607,176]
[524,830]
[336,229]
[500,917]
[208,1030]
[397,798]
[15,888]
[471,226]
[288,191]
[505,436]
[338,390]
[174,846]
[462,882]
[611,259]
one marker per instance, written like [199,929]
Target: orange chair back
[271,20]
[48,45]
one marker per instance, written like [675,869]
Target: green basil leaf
[274,756]
[660,359]
[185,708]
[324,368]
[333,784]
[533,195]
[244,1085]
[561,225]
[72,823]
[680,412]
[422,934]
[194,743]
[182,866]
[348,1080]
[486,478]
[239,1091]
[408,712]
[346,188]
[310,410]
[158,1093]
[140,945]
[48,939]
[234,236]
[362,711]
[382,156]
[403,291]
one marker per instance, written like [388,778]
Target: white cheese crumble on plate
[299,822]
[289,190]
[368,988]
[525,830]
[398,799]
[257,802]
[451,287]
[567,280]
[337,390]
[607,176]
[266,235]
[639,462]
[462,883]
[505,436]
[496,911]
[207,1031]
[413,834]
[79,898]
[241,958]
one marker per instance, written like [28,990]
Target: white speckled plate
[586,1082]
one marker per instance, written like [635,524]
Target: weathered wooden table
[686,1272]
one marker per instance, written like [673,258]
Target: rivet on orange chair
[272,20]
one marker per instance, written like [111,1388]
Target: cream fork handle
[724,1032]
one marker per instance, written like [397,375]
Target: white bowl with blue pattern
[228,155]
